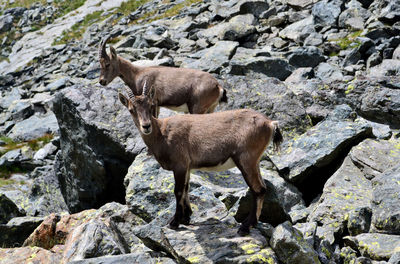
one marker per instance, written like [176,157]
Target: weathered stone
[300,4]
[6,23]
[386,68]
[95,238]
[374,60]
[374,245]
[8,209]
[212,59]
[271,67]
[290,246]
[48,149]
[386,154]
[269,96]
[57,84]
[326,12]
[298,31]
[300,74]
[353,18]
[237,28]
[386,198]
[359,221]
[33,254]
[306,57]
[34,127]
[8,98]
[98,143]
[228,9]
[21,109]
[302,156]
[390,13]
[14,233]
[395,258]
[143,257]
[345,191]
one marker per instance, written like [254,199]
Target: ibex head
[140,107]
[109,67]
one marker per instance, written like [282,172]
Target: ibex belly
[228,164]
[182,108]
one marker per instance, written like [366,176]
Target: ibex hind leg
[187,210]
[252,176]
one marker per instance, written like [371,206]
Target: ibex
[193,91]
[212,142]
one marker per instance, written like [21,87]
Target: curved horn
[102,48]
[145,88]
[130,93]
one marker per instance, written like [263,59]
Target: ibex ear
[123,99]
[113,52]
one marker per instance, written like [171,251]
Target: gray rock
[300,74]
[7,99]
[328,72]
[298,31]
[385,209]
[395,258]
[6,23]
[313,150]
[374,245]
[374,60]
[299,4]
[353,18]
[359,221]
[58,84]
[280,199]
[34,127]
[314,39]
[48,149]
[21,109]
[143,257]
[306,57]
[290,246]
[8,209]
[13,158]
[308,231]
[390,13]
[269,96]
[212,59]
[45,193]
[237,28]
[386,68]
[14,233]
[326,13]
[345,191]
[386,155]
[98,143]
[95,238]
[396,54]
[271,67]
[228,9]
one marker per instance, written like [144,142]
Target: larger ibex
[179,89]
[216,141]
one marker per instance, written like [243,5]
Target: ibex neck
[128,73]
[155,140]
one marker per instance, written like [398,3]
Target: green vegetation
[345,42]
[34,144]
[63,6]
[129,6]
[78,29]
[6,172]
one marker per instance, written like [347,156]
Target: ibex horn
[102,48]
[130,93]
[145,88]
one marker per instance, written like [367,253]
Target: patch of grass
[345,42]
[78,29]
[6,172]
[24,3]
[34,144]
[4,182]
[129,6]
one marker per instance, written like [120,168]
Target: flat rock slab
[28,254]
[320,145]
[386,201]
[374,245]
[143,258]
[14,233]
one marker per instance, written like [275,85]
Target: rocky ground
[77,185]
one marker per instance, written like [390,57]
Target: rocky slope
[77,185]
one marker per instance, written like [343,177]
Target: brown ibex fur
[180,89]
[216,141]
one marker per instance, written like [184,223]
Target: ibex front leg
[179,191]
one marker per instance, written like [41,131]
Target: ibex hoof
[173,223]
[243,231]
[186,221]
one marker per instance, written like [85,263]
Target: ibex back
[179,89]
[212,141]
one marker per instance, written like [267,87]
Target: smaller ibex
[212,142]
[186,90]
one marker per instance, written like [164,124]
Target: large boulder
[269,96]
[8,209]
[290,246]
[228,9]
[14,233]
[386,199]
[98,143]
[303,156]
[326,13]
[306,57]
[212,59]
[33,254]
[298,31]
